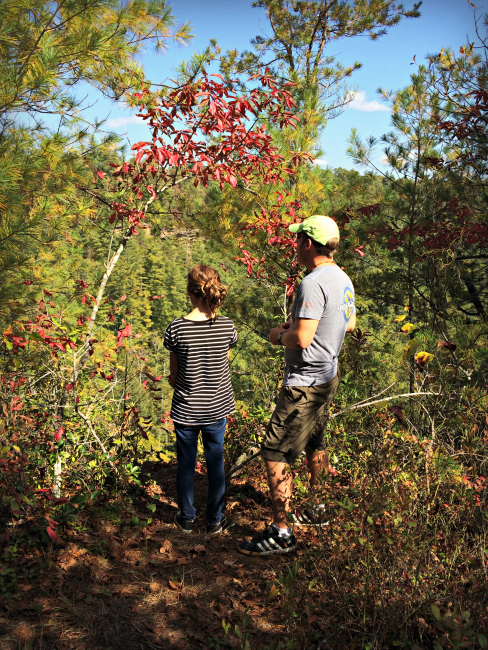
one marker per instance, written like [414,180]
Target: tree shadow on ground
[120,586]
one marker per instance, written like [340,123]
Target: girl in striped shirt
[199,346]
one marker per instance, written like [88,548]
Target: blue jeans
[186,449]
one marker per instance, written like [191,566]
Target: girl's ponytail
[204,282]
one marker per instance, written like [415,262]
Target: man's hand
[273,333]
[298,337]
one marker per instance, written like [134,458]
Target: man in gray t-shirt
[323,311]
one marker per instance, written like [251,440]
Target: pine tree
[47,49]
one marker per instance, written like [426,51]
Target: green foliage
[46,51]
[46,48]
[296,50]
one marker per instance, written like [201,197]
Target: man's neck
[319,261]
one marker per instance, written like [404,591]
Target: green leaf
[411,348]
[436,612]
[482,641]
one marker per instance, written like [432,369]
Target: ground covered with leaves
[113,582]
[381,574]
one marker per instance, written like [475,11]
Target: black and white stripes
[203,391]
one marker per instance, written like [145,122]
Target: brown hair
[204,282]
[327,250]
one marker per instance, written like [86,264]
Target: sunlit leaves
[422,359]
[408,328]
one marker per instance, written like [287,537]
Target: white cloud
[321,162]
[412,156]
[360,104]
[115,122]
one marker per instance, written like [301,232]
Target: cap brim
[295,227]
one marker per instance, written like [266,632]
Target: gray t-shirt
[326,295]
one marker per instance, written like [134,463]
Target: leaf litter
[109,586]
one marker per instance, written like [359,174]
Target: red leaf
[123,333]
[398,413]
[69,387]
[59,434]
[52,534]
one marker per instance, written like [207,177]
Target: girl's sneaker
[186,525]
[269,543]
[213,529]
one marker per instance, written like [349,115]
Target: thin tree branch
[252,452]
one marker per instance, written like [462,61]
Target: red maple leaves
[205,130]
[273,224]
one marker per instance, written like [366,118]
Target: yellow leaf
[408,327]
[423,358]
[400,318]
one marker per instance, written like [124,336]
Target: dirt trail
[118,587]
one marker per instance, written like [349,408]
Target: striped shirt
[203,391]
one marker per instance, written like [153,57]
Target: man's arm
[351,325]
[173,369]
[298,337]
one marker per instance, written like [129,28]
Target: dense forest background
[95,244]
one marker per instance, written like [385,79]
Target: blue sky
[386,62]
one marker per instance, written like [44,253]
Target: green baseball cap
[320,228]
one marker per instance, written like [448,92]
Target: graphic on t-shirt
[348,303]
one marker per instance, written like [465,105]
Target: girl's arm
[173,369]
